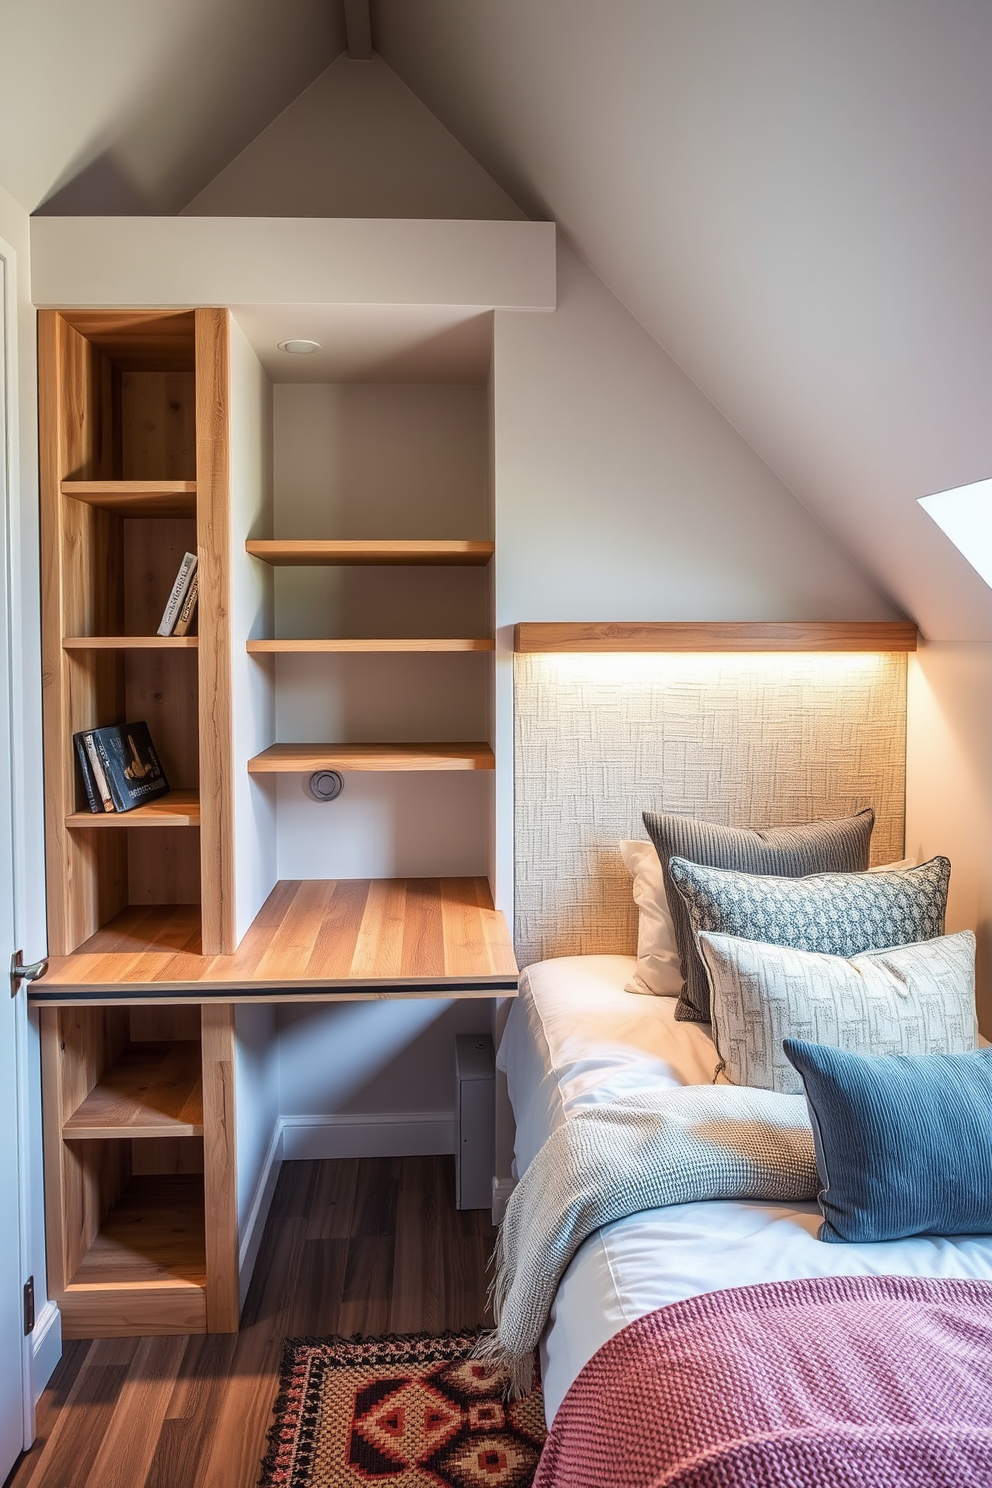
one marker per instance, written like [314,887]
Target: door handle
[20,973]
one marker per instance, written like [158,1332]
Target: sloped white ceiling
[132,106]
[793,198]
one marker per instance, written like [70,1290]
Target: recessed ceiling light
[964,514]
[299,348]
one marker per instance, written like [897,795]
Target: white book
[99,778]
[185,619]
[175,601]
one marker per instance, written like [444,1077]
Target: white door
[12,1351]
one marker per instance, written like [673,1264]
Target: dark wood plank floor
[370,1246]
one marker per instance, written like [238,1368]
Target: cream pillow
[907,999]
[658,973]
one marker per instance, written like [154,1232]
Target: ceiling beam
[358,25]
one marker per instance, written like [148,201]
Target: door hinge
[29,1305]
[20,973]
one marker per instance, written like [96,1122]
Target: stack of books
[120,767]
[180,608]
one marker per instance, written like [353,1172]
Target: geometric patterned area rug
[415,1412]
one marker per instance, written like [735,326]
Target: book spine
[175,601]
[189,606]
[89,784]
[99,778]
[118,794]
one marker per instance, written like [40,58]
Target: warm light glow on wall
[662,669]
[964,514]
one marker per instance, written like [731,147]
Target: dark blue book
[89,784]
[131,765]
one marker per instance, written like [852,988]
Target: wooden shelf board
[299,552]
[131,643]
[304,758]
[319,939]
[153,1090]
[677,635]
[136,498]
[338,644]
[180,808]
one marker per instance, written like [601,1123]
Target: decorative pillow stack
[839,846]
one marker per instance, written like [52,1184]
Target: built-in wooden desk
[313,940]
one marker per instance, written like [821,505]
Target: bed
[576,1039]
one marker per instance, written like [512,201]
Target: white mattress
[575,1038]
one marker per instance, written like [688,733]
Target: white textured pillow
[910,999]
[658,972]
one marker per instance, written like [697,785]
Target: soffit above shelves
[388,300]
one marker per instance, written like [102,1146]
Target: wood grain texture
[151,1090]
[180,808]
[81,551]
[138,339]
[313,939]
[368,1246]
[676,635]
[158,424]
[136,498]
[345,644]
[131,643]
[220,1177]
[281,759]
[308,552]
[213,474]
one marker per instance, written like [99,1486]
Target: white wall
[622,494]
[356,143]
[29,827]
[949,785]
[253,707]
[374,461]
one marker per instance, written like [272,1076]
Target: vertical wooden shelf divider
[213,534]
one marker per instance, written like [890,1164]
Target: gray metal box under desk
[475,1149]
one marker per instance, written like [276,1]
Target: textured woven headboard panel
[749,740]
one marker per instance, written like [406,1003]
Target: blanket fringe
[490,1349]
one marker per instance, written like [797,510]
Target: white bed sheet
[573,1039]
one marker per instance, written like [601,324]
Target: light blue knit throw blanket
[644,1152]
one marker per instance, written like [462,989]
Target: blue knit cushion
[903,1142]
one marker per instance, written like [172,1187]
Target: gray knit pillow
[839,846]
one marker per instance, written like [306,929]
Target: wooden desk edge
[343,989]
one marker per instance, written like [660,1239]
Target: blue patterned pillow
[840,914]
[903,1142]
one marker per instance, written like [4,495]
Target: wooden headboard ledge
[709,635]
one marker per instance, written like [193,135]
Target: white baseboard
[259,1212]
[46,1347]
[377,1134]
[502,1189]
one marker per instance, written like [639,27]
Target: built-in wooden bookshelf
[150,949]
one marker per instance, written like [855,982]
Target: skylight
[965,516]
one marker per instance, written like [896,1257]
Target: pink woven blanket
[837,1382]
